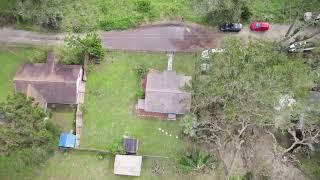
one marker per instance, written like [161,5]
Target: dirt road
[162,37]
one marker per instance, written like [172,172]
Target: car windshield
[258,25]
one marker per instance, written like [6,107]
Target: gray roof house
[164,94]
[49,82]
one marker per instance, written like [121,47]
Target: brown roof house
[164,95]
[49,83]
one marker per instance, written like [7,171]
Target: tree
[221,11]
[79,47]
[297,31]
[26,130]
[240,92]
[40,12]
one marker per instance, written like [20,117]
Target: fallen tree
[239,98]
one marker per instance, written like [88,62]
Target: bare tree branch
[295,19]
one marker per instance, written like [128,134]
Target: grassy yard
[11,59]
[115,14]
[87,15]
[10,62]
[110,100]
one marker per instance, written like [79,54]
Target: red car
[259,26]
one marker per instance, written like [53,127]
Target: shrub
[141,70]
[109,24]
[38,56]
[140,94]
[188,124]
[52,20]
[115,148]
[196,160]
[245,13]
[143,6]
[78,46]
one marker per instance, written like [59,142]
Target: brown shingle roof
[56,83]
[44,72]
[165,94]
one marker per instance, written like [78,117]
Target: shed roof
[165,94]
[127,165]
[130,145]
[67,140]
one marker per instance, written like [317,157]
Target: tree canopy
[253,85]
[248,80]
[26,130]
[78,46]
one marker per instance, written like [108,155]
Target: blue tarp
[67,140]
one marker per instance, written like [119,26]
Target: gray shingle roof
[165,94]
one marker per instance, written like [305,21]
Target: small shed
[130,145]
[67,140]
[127,165]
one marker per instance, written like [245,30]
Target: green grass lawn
[109,103]
[115,14]
[10,62]
[63,116]
[88,15]
[110,98]
[109,114]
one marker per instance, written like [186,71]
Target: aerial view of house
[164,95]
[50,82]
[160,89]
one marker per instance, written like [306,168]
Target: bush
[196,160]
[143,6]
[140,94]
[141,70]
[122,23]
[116,148]
[245,13]
[188,124]
[77,46]
[52,20]
[38,56]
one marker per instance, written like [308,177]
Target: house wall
[53,92]
[141,112]
[79,81]
[20,86]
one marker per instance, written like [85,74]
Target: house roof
[48,72]
[165,94]
[52,82]
[33,92]
[130,145]
[127,165]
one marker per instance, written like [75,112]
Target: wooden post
[85,65]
